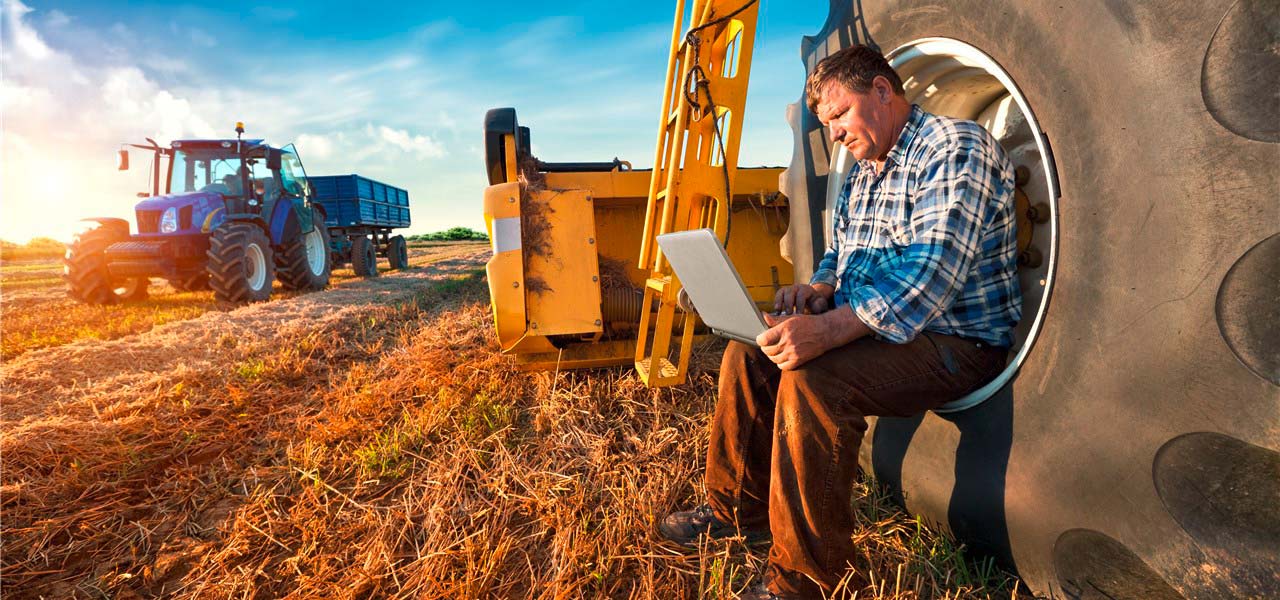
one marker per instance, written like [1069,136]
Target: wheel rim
[255,266]
[316,251]
[950,77]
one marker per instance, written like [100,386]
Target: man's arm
[794,340]
[954,200]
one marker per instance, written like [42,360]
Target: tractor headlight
[169,220]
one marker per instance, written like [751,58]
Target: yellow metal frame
[556,243]
[695,164]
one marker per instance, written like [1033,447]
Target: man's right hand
[804,298]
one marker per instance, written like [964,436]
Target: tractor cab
[207,181]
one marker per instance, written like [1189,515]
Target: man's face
[862,123]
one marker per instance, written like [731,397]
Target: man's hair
[855,68]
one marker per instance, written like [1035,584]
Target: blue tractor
[232,215]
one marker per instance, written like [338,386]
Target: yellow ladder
[694,165]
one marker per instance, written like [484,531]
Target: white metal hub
[255,266]
[316,251]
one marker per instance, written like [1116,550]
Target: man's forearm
[841,326]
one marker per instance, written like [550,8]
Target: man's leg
[819,424]
[740,450]
[738,455]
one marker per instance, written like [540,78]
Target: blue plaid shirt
[930,243]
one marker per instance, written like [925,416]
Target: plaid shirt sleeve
[955,193]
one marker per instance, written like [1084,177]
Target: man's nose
[836,132]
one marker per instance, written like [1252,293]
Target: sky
[396,92]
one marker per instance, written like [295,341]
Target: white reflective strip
[506,234]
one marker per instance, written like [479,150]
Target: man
[912,306]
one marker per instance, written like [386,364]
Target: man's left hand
[792,340]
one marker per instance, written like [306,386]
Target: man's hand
[803,298]
[791,341]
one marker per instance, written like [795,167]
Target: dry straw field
[365,441]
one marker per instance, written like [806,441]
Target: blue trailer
[360,214]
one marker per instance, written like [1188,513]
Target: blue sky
[396,92]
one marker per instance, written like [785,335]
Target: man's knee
[738,354]
[814,393]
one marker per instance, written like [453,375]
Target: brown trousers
[784,444]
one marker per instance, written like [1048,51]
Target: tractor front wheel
[304,263]
[240,263]
[86,272]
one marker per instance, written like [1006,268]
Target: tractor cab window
[211,170]
[293,176]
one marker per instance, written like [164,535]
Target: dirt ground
[39,382]
[370,441]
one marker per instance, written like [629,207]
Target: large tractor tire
[240,263]
[86,272]
[1130,449]
[304,263]
[364,257]
[398,253]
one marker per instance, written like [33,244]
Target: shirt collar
[899,149]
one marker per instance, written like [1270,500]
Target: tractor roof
[213,143]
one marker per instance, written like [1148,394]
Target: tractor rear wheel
[398,253]
[304,263]
[364,257]
[1120,460]
[86,272]
[240,263]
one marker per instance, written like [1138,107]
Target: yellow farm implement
[577,279]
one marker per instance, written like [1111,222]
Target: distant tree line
[41,247]
[451,235]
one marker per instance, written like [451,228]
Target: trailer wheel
[398,253]
[86,272]
[305,260]
[364,257]
[240,263]
[1146,323]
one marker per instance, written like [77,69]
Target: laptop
[713,284]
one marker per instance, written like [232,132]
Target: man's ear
[883,90]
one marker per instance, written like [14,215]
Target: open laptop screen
[713,284]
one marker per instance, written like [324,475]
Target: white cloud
[25,38]
[314,147]
[64,117]
[421,145]
[57,18]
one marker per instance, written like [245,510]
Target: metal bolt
[512,200]
[591,240]
[594,278]
[1021,175]
[597,322]
[515,284]
[533,325]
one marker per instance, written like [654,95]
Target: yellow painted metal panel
[562,283]
[580,356]
[505,269]
[635,184]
